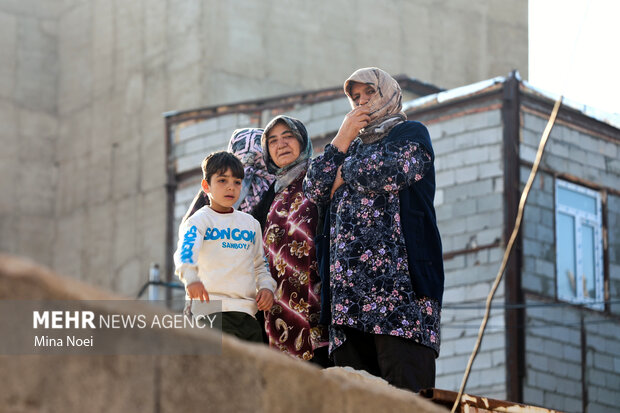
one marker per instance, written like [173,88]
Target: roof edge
[308,96]
[485,86]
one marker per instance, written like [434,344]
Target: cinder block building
[553,338]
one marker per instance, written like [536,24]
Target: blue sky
[574,49]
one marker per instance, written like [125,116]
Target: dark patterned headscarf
[385,105]
[287,174]
[246,145]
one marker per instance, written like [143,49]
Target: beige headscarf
[385,105]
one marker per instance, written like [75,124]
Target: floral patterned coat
[371,288]
[292,323]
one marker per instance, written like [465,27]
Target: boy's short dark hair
[219,163]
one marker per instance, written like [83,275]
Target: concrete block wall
[468,281]
[468,165]
[469,206]
[571,151]
[192,141]
[603,362]
[553,357]
[555,353]
[553,336]
[613,250]
[538,235]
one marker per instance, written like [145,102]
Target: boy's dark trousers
[241,325]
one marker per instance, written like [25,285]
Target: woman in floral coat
[290,222]
[386,270]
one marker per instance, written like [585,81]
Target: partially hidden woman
[290,223]
[386,268]
[246,145]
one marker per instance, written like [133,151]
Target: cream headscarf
[385,105]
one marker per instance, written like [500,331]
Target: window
[579,245]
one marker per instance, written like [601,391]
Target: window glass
[566,256]
[576,200]
[579,245]
[587,238]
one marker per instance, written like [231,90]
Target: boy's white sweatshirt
[225,252]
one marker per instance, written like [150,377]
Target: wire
[546,324]
[511,242]
[465,306]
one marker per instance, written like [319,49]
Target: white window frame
[581,219]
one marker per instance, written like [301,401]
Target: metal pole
[154,278]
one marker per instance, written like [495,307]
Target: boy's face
[223,190]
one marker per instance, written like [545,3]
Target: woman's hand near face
[353,122]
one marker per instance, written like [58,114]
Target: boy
[220,252]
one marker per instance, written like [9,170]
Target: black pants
[403,363]
[241,325]
[321,358]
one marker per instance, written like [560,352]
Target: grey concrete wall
[30,127]
[469,206]
[246,377]
[113,87]
[554,348]
[251,49]
[83,84]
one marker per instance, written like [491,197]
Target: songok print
[188,244]
[214,234]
